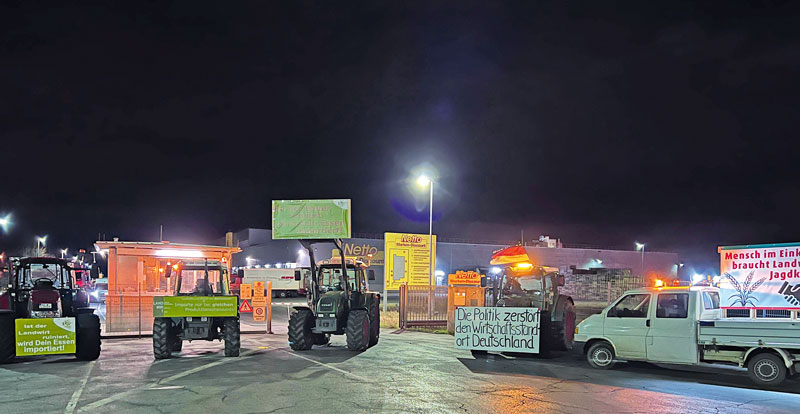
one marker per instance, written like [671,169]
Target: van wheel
[766,370]
[600,356]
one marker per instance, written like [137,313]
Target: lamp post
[40,241]
[640,246]
[63,253]
[423,181]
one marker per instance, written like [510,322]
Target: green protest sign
[45,336]
[180,306]
[311,219]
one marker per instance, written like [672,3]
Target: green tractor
[525,285]
[339,302]
[200,308]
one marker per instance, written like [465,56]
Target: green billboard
[311,219]
[45,336]
[180,306]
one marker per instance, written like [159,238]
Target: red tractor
[42,293]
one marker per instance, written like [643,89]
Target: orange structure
[136,273]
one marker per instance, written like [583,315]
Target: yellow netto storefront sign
[406,259]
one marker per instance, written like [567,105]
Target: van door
[626,325]
[672,331]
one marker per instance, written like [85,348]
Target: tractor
[200,308]
[525,285]
[339,302]
[40,292]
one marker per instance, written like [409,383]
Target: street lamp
[423,181]
[4,222]
[63,253]
[40,241]
[640,246]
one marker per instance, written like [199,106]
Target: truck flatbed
[748,332]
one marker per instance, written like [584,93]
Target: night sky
[671,123]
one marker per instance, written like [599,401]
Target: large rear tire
[232,337]
[300,336]
[358,330]
[565,328]
[161,328]
[87,346]
[374,323]
[8,347]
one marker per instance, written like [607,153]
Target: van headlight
[576,330]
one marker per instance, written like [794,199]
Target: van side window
[631,306]
[672,305]
[711,300]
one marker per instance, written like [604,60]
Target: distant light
[161,270]
[277,265]
[439,273]
[598,261]
[659,283]
[42,240]
[495,270]
[257,266]
[696,278]
[639,246]
[249,259]
[64,251]
[5,222]
[423,180]
[177,253]
[267,266]
[175,266]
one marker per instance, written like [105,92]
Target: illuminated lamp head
[659,283]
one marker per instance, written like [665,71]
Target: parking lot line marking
[330,367]
[77,394]
[115,397]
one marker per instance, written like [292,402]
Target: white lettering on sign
[497,329]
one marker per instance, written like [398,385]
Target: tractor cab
[200,278]
[526,285]
[44,287]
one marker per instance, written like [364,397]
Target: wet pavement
[409,372]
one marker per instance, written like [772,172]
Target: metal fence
[416,309]
[602,288]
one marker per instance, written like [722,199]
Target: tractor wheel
[564,330]
[374,323]
[161,328]
[232,340]
[87,347]
[8,346]
[322,339]
[358,330]
[300,336]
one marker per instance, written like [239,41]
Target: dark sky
[672,123]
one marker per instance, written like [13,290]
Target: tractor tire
[232,339]
[374,323]
[564,329]
[87,347]
[8,346]
[300,324]
[161,328]
[322,339]
[358,330]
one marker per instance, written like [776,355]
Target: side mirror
[297,276]
[371,274]
[483,281]
[560,280]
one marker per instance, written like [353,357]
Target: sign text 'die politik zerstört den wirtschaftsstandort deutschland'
[497,329]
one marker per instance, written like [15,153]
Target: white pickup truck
[682,325]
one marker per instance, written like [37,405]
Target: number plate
[45,306]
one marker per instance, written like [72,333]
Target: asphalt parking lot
[409,372]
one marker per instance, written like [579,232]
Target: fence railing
[416,308]
[600,288]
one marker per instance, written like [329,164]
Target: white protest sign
[760,276]
[497,329]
